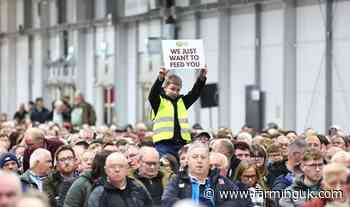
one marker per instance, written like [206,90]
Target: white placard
[183,54]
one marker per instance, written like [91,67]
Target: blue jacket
[180,187]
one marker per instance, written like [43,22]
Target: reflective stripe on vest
[163,123]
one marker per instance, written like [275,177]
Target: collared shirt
[202,192]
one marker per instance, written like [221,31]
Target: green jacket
[79,192]
[56,188]
[27,182]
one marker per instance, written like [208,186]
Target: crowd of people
[60,158]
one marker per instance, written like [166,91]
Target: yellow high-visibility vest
[164,120]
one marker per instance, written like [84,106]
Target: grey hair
[196,145]
[143,150]
[36,156]
[297,144]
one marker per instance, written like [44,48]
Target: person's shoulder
[98,190]
[135,183]
[25,177]
[54,142]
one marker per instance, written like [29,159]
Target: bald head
[117,169]
[116,157]
[148,152]
[10,189]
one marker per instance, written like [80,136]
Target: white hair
[196,145]
[341,157]
[146,149]
[37,155]
[116,155]
[245,137]
[222,157]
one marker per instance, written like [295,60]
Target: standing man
[82,112]
[170,120]
[40,113]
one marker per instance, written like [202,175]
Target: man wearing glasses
[310,181]
[57,184]
[150,175]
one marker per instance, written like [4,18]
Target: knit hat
[7,157]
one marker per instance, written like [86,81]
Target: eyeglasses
[249,177]
[66,159]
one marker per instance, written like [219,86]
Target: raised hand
[204,72]
[162,73]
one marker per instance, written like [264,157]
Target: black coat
[40,116]
[180,187]
[134,195]
[276,169]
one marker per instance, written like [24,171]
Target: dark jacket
[20,116]
[282,182]
[39,116]
[134,195]
[180,187]
[50,144]
[156,185]
[299,186]
[78,193]
[188,99]
[56,188]
[275,170]
[27,182]
[231,173]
